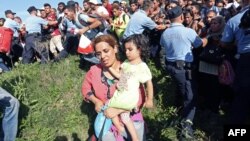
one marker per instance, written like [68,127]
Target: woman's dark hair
[141,42]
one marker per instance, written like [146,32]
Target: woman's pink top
[94,84]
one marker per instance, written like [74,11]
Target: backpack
[226,73]
[123,18]
[6,35]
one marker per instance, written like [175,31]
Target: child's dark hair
[141,42]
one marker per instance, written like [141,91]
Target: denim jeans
[90,58]
[10,106]
[3,67]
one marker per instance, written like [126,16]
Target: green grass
[52,108]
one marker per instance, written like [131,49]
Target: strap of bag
[101,133]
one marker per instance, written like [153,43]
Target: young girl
[133,72]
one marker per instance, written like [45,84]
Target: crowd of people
[203,45]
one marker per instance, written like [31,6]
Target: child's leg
[117,124]
[130,126]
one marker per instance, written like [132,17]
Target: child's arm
[115,73]
[150,94]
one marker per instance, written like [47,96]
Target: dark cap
[32,8]
[9,12]
[174,12]
[71,3]
[244,21]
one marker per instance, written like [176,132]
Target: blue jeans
[3,66]
[90,58]
[10,106]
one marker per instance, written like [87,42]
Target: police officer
[177,41]
[33,28]
[237,31]
[15,27]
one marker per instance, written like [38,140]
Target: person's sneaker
[187,131]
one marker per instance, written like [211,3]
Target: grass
[52,108]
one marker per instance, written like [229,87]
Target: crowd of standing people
[204,45]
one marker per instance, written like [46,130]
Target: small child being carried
[134,71]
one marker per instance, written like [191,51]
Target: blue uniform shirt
[13,25]
[232,33]
[178,41]
[33,24]
[138,23]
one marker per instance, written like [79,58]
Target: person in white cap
[99,10]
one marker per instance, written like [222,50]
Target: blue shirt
[34,24]
[232,33]
[138,23]
[68,25]
[13,25]
[178,41]
[82,17]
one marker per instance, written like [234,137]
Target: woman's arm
[98,103]
[87,91]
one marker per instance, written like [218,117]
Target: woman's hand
[98,105]
[112,112]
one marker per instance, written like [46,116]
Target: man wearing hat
[11,23]
[99,10]
[237,32]
[33,37]
[15,27]
[177,42]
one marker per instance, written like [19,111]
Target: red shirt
[56,31]
[109,9]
